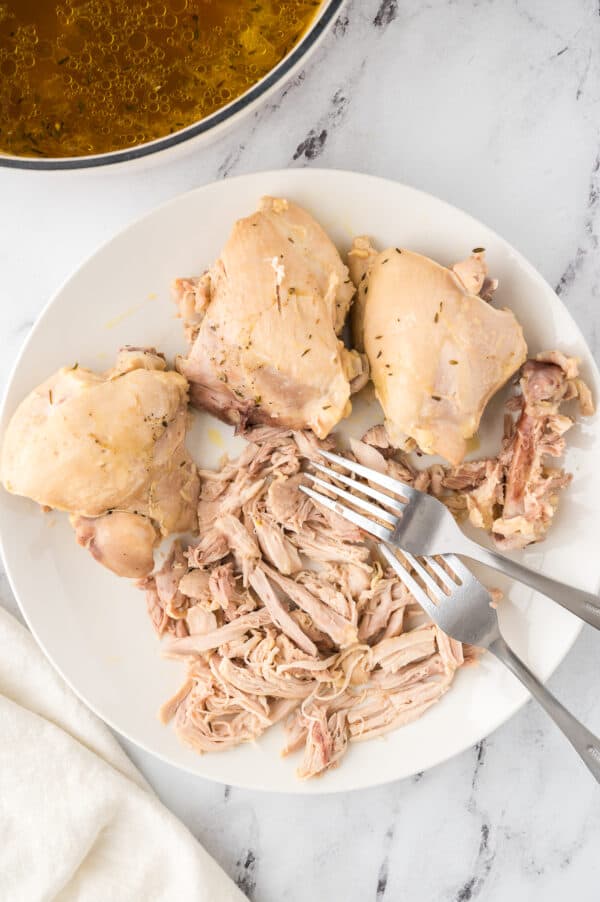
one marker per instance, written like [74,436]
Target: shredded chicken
[531,485]
[282,611]
[515,495]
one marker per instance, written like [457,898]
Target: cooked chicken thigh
[122,541]
[264,322]
[109,449]
[437,350]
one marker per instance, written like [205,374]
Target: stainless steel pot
[211,125]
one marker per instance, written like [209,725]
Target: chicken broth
[91,76]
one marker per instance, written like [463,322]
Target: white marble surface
[495,106]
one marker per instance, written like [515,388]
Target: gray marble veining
[494,105]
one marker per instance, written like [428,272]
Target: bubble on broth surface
[120,74]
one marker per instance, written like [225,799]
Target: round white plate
[94,627]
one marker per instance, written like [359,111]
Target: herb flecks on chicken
[264,322]
[109,448]
[437,350]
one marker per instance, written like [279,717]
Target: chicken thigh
[110,449]
[264,325]
[437,350]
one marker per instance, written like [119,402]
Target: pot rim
[221,116]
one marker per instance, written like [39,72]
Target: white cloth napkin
[77,820]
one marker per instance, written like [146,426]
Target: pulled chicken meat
[513,496]
[282,612]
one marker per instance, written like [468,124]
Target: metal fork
[420,524]
[465,614]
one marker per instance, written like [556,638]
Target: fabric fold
[77,819]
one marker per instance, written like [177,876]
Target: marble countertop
[493,105]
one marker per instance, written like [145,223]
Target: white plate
[94,627]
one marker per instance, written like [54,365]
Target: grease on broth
[83,77]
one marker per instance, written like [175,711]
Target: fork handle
[583,741]
[584,605]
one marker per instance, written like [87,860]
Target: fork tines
[427,580]
[381,530]
[406,577]
[430,594]
[375,529]
[367,506]
[393,485]
[382,497]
